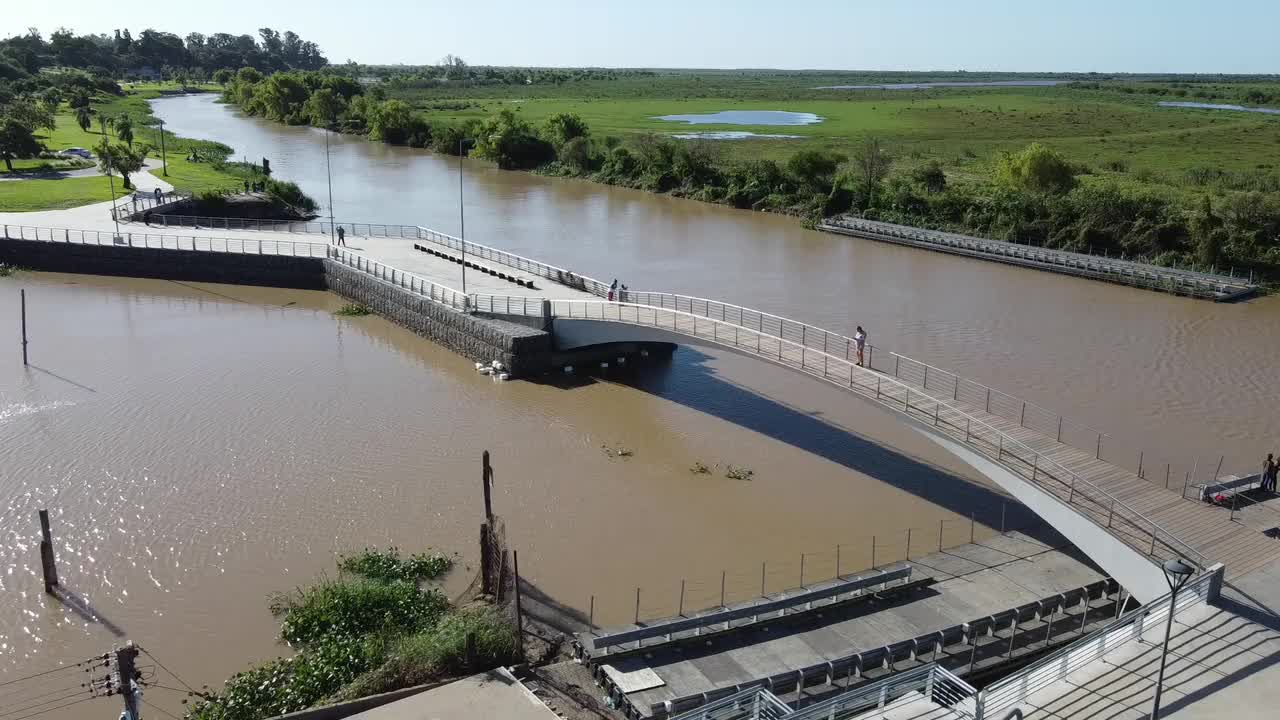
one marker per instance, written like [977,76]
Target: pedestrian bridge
[1124,520]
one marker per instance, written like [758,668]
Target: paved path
[1221,665]
[495,694]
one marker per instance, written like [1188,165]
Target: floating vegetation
[700,468]
[738,473]
[353,310]
[619,451]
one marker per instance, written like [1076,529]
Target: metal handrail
[519,262]
[200,243]
[933,681]
[1053,667]
[1041,254]
[1006,443]
[762,703]
[412,282]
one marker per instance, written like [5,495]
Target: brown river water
[202,446]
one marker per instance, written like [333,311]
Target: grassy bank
[32,195]
[379,626]
[1094,165]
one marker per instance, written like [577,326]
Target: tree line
[121,55]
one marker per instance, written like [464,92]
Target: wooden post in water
[515,561]
[486,562]
[486,474]
[48,562]
[23,294]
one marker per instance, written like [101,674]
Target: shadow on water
[688,379]
[67,380]
[79,605]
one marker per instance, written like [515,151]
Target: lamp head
[1178,571]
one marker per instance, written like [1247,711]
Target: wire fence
[702,591]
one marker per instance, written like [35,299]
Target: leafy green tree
[84,117]
[17,141]
[324,107]
[1036,168]
[343,86]
[931,176]
[124,129]
[871,165]
[814,170]
[390,121]
[120,158]
[576,154]
[223,76]
[248,75]
[563,127]
[281,97]
[79,99]
[52,98]
[511,142]
[1206,228]
[31,112]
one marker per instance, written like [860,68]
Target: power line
[157,707]
[33,697]
[33,706]
[50,672]
[56,707]
[174,674]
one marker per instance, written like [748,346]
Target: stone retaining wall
[525,350]
[187,265]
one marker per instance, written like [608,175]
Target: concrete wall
[525,350]
[186,265]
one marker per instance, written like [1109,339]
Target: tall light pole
[164,156]
[329,175]
[462,221]
[1176,573]
[111,180]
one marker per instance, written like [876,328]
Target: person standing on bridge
[342,236]
[860,339]
[1269,472]
[613,288]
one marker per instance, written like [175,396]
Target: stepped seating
[475,266]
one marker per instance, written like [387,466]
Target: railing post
[637,606]
[873,552]
[680,611]
[1141,455]
[1059,428]
[837,561]
[1098,454]
[973,524]
[897,361]
[988,400]
[1022,419]
[908,557]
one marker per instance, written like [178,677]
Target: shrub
[441,650]
[352,310]
[387,565]
[355,607]
[289,194]
[1036,169]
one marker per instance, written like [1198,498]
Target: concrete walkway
[495,694]
[1221,665]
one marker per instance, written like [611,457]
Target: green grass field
[27,195]
[964,128]
[31,195]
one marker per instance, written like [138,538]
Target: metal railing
[409,281]
[241,246]
[1002,694]
[933,683]
[929,682]
[141,202]
[519,262]
[1094,502]
[1132,272]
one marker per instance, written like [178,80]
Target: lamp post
[111,180]
[164,156]
[329,176]
[1176,573]
[462,221]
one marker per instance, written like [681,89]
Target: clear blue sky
[1235,36]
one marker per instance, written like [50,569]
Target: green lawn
[29,195]
[183,175]
[963,128]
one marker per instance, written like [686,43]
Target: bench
[728,615]
[1227,486]
[475,266]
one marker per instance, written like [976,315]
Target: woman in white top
[860,339]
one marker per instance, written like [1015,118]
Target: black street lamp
[1176,573]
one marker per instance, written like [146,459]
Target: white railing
[1134,625]
[929,682]
[519,262]
[243,246]
[409,281]
[1080,494]
[1153,275]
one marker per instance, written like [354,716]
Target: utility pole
[125,658]
[462,221]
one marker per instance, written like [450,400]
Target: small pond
[745,117]
[1217,106]
[951,84]
[727,135]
